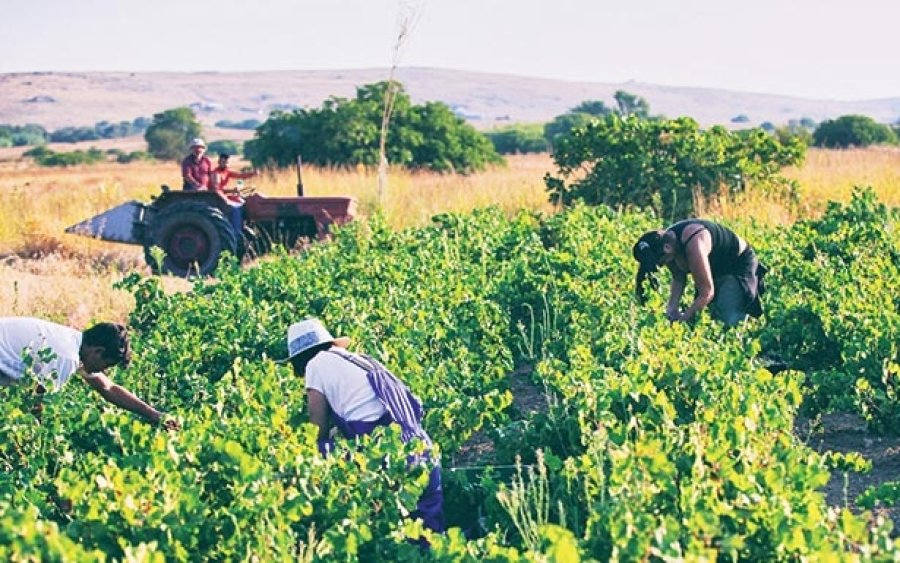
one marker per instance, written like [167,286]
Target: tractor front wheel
[193,236]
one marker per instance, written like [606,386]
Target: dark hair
[647,251]
[300,360]
[224,155]
[113,338]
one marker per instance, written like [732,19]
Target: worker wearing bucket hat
[726,272]
[196,167]
[357,394]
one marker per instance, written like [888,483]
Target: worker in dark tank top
[725,270]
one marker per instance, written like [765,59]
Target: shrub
[50,158]
[46,157]
[22,135]
[38,152]
[228,147]
[519,139]
[852,131]
[664,164]
[246,124]
[125,158]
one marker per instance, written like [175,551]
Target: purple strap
[401,405]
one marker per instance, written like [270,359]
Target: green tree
[593,107]
[563,125]
[170,133]
[631,104]
[852,131]
[574,118]
[224,146]
[664,164]
[22,135]
[588,110]
[346,132]
[519,139]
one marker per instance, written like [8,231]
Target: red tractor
[193,228]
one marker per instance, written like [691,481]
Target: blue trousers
[237,221]
[730,303]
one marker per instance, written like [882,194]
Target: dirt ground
[845,433]
[838,432]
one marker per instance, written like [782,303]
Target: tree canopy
[589,110]
[170,133]
[852,131]
[346,132]
[519,139]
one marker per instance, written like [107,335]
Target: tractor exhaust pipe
[299,176]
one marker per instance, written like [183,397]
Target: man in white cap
[356,393]
[196,167]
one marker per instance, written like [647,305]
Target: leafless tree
[407,16]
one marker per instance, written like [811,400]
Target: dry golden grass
[832,175]
[72,290]
[826,175]
[51,274]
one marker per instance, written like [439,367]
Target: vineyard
[651,441]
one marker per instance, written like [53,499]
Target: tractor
[193,229]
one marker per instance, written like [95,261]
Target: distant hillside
[56,100]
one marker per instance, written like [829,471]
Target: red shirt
[196,171]
[223,175]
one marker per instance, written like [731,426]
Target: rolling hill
[56,100]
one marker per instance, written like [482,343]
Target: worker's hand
[674,315]
[167,422]
[171,424]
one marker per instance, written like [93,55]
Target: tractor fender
[209,198]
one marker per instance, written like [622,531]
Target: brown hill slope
[80,99]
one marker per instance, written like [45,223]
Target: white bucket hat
[309,333]
[198,142]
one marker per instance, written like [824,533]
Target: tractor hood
[116,225]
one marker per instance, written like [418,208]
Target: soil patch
[846,433]
[529,398]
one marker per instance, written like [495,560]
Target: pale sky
[824,49]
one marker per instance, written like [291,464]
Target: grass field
[47,273]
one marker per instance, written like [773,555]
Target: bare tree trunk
[407,15]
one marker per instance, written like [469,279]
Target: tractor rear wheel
[193,235]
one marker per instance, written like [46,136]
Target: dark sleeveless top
[724,258]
